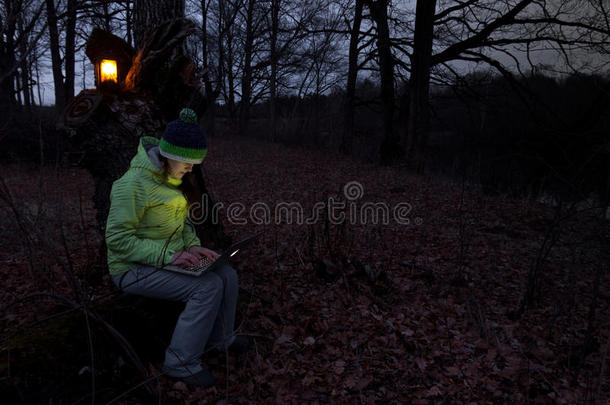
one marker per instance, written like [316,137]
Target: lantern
[111,57]
[106,73]
[108,70]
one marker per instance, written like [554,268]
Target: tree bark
[419,84]
[352,75]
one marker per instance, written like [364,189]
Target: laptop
[206,265]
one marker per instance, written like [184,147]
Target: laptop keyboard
[202,265]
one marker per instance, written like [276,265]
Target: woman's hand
[184,258]
[201,251]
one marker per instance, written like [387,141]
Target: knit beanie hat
[183,139]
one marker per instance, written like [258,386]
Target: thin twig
[91,357]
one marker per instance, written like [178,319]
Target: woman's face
[178,169]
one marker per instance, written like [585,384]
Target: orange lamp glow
[108,71]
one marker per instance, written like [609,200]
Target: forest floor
[421,308]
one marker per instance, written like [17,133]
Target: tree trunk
[129,22]
[8,84]
[352,75]
[17,88]
[227,13]
[58,79]
[390,149]
[4,67]
[221,48]
[210,92]
[69,51]
[30,75]
[230,76]
[31,87]
[25,78]
[275,6]
[25,84]
[37,78]
[246,81]
[107,17]
[419,83]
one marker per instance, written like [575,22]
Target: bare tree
[63,83]
[498,34]
[228,23]
[20,30]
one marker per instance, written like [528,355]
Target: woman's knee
[209,283]
[228,275]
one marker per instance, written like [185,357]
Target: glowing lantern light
[108,71]
[111,57]
[107,74]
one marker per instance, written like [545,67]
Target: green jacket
[147,222]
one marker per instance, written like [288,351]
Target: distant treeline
[538,135]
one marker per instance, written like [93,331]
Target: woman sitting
[148,228]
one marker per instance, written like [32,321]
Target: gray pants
[207,319]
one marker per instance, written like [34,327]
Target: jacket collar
[147,158]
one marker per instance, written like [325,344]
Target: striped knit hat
[183,139]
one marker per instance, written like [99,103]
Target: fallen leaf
[309,341]
[434,391]
[282,339]
[407,332]
[364,382]
[180,386]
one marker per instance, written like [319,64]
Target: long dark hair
[188,187]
